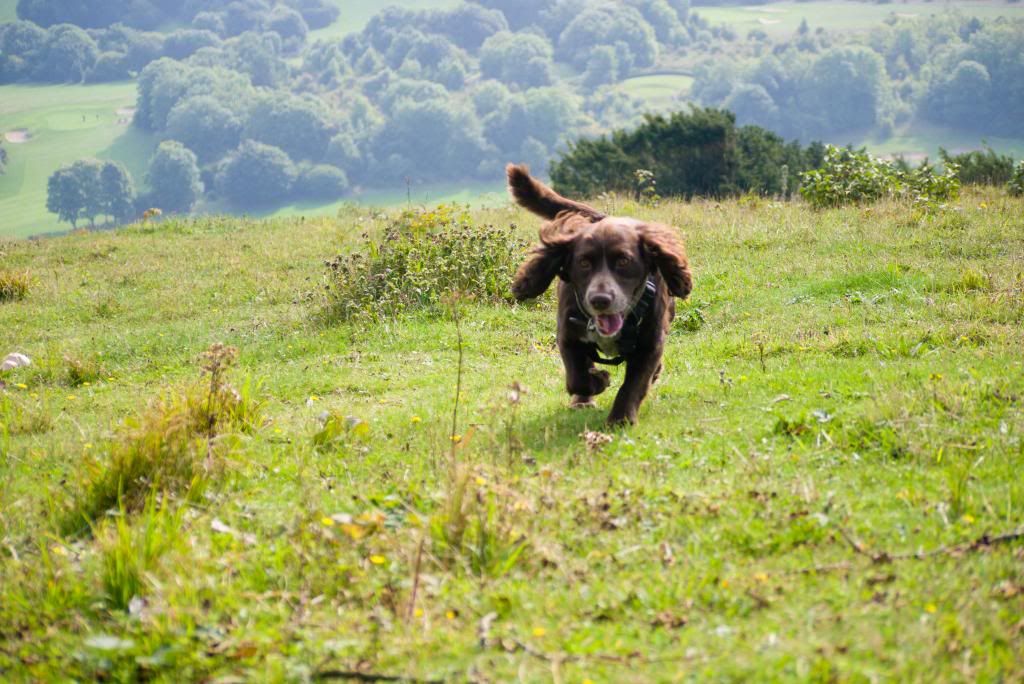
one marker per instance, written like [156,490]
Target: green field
[355,14]
[660,92]
[818,489]
[64,123]
[783,18]
[917,140]
[8,10]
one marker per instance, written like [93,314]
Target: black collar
[630,327]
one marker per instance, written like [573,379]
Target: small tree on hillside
[174,176]
[90,188]
[256,175]
[117,192]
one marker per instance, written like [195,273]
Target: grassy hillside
[783,18]
[8,10]
[64,123]
[843,392]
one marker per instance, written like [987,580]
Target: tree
[174,176]
[602,67]
[753,105]
[184,43]
[288,24]
[90,188]
[519,13]
[67,56]
[845,88]
[318,14]
[256,175]
[607,25]
[321,182]
[205,126]
[116,192]
[21,42]
[508,57]
[299,126]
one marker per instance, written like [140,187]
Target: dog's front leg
[641,371]
[582,380]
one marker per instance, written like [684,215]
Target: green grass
[850,372]
[780,19]
[356,13]
[65,123]
[8,10]
[660,92]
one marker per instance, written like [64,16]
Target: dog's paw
[617,420]
[599,380]
[579,401]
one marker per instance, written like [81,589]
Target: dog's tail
[533,195]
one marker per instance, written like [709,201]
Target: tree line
[950,69]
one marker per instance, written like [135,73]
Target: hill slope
[844,385]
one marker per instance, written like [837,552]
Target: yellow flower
[761,577]
[415,419]
[450,614]
[71,397]
[968,518]
[456,438]
[418,612]
[931,608]
[539,631]
[59,550]
[378,560]
[327,522]
[21,385]
[481,481]
[725,584]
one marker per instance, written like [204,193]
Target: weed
[178,445]
[20,418]
[14,286]
[83,371]
[129,552]
[423,257]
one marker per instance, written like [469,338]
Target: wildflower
[931,608]
[415,419]
[327,522]
[378,560]
[539,631]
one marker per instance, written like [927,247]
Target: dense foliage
[851,176]
[421,96]
[980,167]
[422,258]
[90,188]
[951,69]
[700,152]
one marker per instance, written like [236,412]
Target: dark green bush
[423,257]
[980,168]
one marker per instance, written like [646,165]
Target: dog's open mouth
[609,324]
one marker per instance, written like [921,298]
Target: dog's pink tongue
[609,324]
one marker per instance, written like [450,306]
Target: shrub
[1016,185]
[13,286]
[852,177]
[980,168]
[176,446]
[423,257]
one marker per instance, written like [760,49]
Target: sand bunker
[768,22]
[126,111]
[18,136]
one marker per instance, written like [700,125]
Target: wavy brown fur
[533,195]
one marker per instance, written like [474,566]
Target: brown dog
[617,280]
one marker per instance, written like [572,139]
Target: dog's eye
[622,262]
[584,263]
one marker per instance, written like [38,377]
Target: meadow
[824,484]
[64,123]
[779,19]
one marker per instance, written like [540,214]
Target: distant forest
[266,116]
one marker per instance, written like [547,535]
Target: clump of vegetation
[422,258]
[854,177]
[82,371]
[18,418]
[1016,184]
[980,167]
[13,286]
[129,552]
[177,446]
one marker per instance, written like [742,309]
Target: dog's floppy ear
[548,259]
[666,250]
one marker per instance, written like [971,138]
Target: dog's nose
[600,301]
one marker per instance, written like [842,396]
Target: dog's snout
[600,301]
